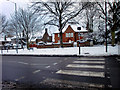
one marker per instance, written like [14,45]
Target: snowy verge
[85,51]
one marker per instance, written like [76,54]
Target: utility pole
[79,28]
[16,26]
[106,25]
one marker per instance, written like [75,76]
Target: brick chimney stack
[45,30]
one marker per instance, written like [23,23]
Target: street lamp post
[16,25]
[79,28]
[106,24]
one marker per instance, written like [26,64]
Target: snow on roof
[13,37]
[2,39]
[33,39]
[7,39]
[74,27]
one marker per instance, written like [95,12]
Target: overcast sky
[7,7]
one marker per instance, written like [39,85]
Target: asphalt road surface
[62,72]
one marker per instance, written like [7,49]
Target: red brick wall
[66,39]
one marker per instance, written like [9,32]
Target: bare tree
[26,23]
[113,16]
[3,24]
[59,12]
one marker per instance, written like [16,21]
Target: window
[71,34]
[67,35]
[58,35]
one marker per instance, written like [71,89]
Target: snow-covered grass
[85,51]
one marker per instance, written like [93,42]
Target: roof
[7,39]
[33,39]
[74,27]
[2,39]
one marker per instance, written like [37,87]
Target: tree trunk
[60,29]
[113,37]
[27,41]
[61,41]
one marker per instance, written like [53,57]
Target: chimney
[45,30]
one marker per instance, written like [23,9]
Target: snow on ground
[86,51]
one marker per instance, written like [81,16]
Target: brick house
[70,34]
[46,37]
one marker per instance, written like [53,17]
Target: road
[60,72]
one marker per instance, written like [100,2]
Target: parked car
[81,41]
[41,43]
[15,46]
[8,46]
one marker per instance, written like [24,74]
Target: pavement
[61,72]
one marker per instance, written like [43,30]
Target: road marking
[91,59]
[108,77]
[36,71]
[85,66]
[54,63]
[118,59]
[47,67]
[94,62]
[81,73]
[56,82]
[20,78]
[23,63]
[39,64]
[110,86]
[65,58]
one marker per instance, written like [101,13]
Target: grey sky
[7,7]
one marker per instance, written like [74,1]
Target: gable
[69,30]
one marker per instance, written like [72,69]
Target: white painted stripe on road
[36,71]
[54,63]
[81,73]
[94,62]
[47,67]
[38,64]
[20,78]
[118,59]
[65,58]
[85,66]
[91,59]
[56,82]
[23,63]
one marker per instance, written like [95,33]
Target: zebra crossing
[89,63]
[86,67]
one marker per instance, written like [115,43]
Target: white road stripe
[38,64]
[20,78]
[94,62]
[65,58]
[91,59]
[81,73]
[47,67]
[23,63]
[85,66]
[118,59]
[54,63]
[56,82]
[36,71]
